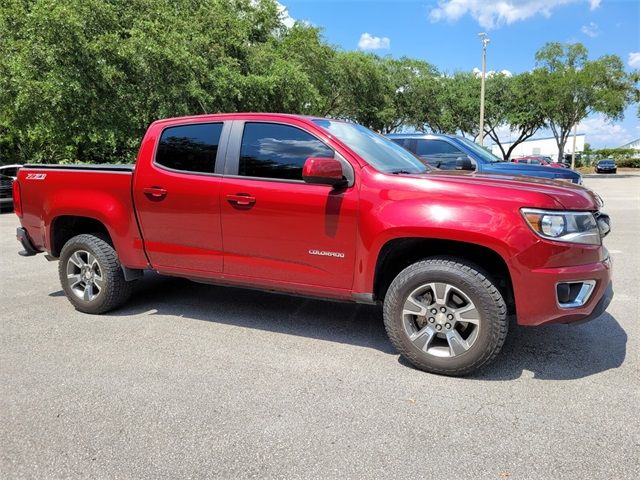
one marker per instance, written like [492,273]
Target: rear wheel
[91,275]
[445,316]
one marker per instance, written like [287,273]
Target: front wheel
[445,316]
[91,275]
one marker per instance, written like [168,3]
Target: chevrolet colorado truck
[325,208]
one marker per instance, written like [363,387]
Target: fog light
[574,294]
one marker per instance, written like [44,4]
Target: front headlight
[573,227]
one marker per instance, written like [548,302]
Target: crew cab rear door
[275,226]
[177,199]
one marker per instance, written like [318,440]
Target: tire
[470,324]
[98,283]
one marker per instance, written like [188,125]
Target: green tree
[572,87]
[418,87]
[513,102]
[459,105]
[82,79]
[364,89]
[303,45]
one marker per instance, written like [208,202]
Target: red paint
[17,199]
[313,239]
[322,170]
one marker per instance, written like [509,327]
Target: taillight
[17,199]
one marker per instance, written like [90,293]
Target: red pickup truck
[325,208]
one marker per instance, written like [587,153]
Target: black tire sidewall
[490,316]
[97,247]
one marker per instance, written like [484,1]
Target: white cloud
[477,72]
[590,30]
[494,13]
[287,20]
[634,60]
[370,42]
[600,133]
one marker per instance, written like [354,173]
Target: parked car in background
[8,174]
[325,208]
[606,165]
[451,152]
[538,160]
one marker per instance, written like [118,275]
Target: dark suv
[451,152]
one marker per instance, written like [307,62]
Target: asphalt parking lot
[194,381]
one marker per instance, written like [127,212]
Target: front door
[276,227]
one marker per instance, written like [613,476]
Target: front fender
[498,228]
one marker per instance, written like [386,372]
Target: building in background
[541,146]
[635,145]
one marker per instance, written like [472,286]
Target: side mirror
[323,171]
[464,163]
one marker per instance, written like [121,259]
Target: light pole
[485,41]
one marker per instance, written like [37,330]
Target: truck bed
[101,192]
[120,167]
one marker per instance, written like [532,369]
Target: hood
[570,195]
[549,172]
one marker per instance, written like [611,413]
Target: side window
[407,143]
[439,153]
[190,148]
[403,142]
[534,161]
[436,147]
[271,150]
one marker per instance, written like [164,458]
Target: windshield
[486,155]
[380,152]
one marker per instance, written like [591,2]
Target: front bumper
[536,295]
[600,308]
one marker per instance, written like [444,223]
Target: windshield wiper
[403,172]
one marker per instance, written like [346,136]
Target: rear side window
[271,150]
[403,142]
[190,148]
[435,147]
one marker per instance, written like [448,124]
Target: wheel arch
[65,227]
[397,254]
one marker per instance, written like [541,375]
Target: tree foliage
[571,87]
[513,102]
[80,80]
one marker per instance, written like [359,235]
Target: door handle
[241,199]
[155,193]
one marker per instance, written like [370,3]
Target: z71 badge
[36,176]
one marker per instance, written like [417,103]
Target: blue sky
[444,33]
